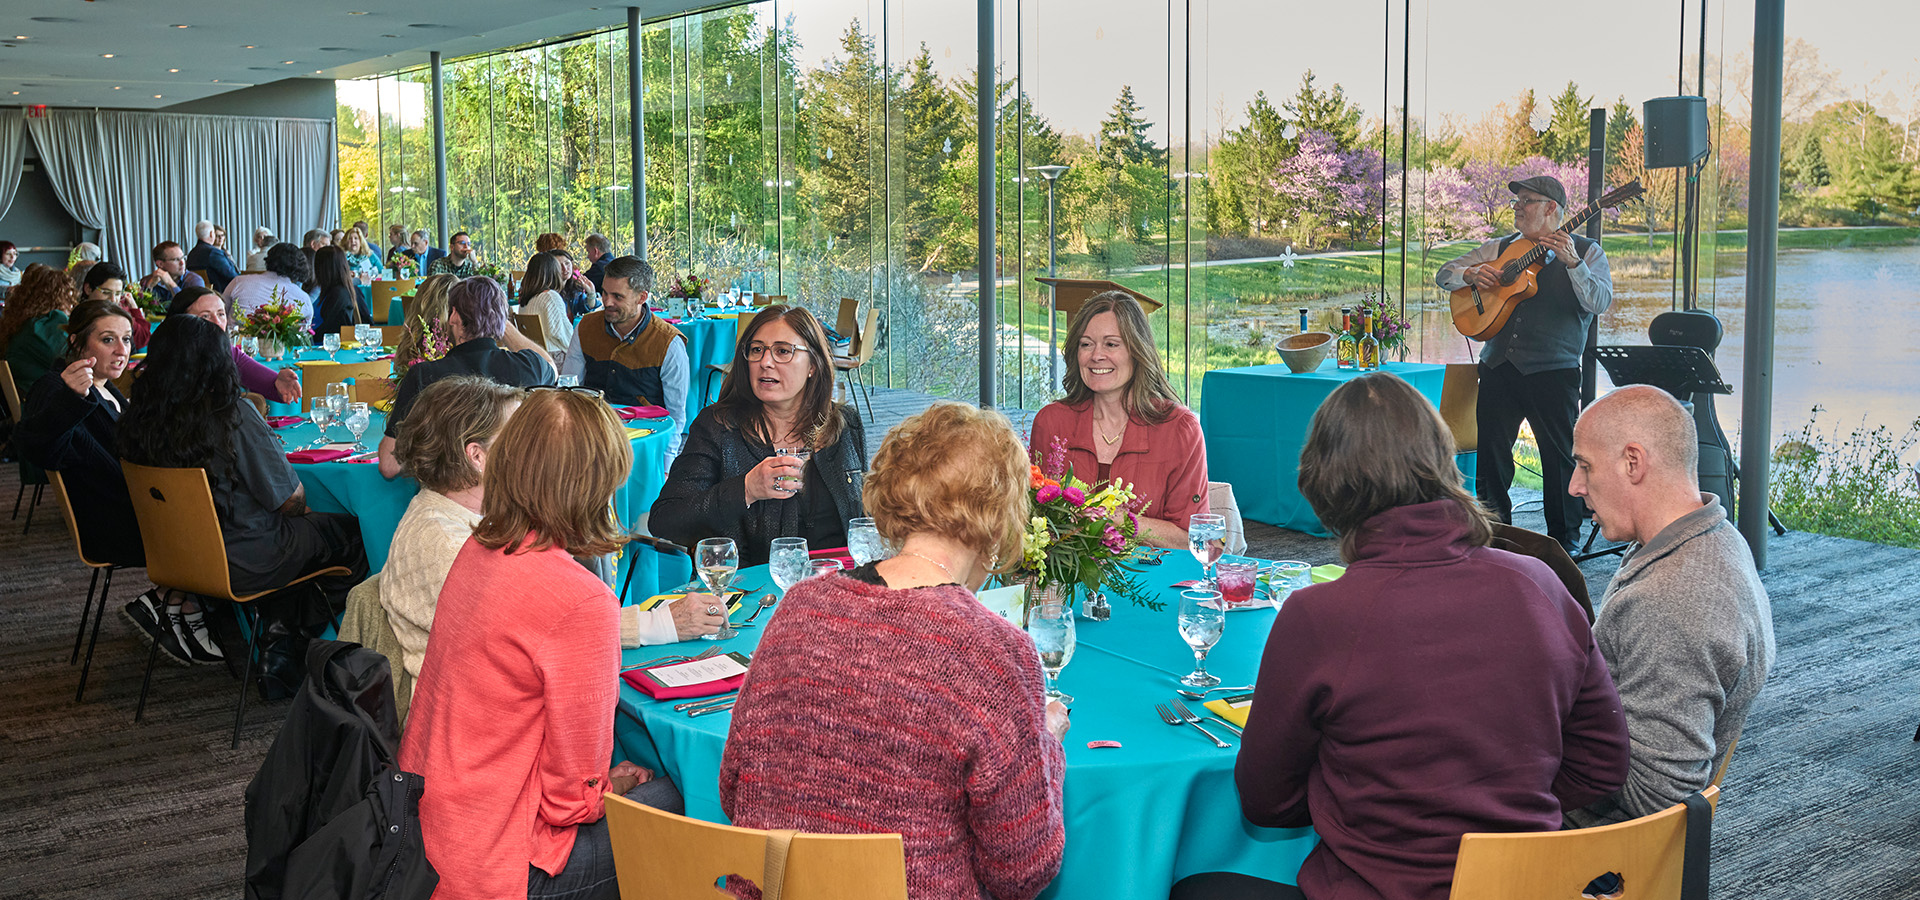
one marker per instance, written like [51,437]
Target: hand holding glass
[1051,627]
[716,559]
[1203,617]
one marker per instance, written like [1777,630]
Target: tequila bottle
[1347,349]
[1369,348]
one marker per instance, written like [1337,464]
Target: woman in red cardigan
[889,700]
[1121,421]
[512,718]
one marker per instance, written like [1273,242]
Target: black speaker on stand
[1677,139]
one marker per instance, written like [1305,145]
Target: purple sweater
[1435,689]
[874,710]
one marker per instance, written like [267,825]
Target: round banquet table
[358,489]
[709,343]
[1159,808]
[311,355]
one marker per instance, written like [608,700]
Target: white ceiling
[61,60]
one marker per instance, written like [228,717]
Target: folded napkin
[645,685]
[308,457]
[1233,708]
[283,421]
[839,553]
[1328,572]
[630,413]
[378,358]
[633,433]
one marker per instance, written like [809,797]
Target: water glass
[1289,575]
[358,418]
[787,562]
[331,343]
[1051,627]
[716,559]
[863,541]
[566,381]
[1203,617]
[337,400]
[322,415]
[821,567]
[1236,580]
[249,345]
[794,482]
[1207,539]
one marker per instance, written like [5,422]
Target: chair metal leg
[81,692]
[864,392]
[146,681]
[36,502]
[85,609]
[17,496]
[246,679]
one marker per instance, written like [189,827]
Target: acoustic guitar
[1480,314]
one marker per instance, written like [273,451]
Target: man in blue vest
[1530,371]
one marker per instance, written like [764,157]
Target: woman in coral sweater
[512,718]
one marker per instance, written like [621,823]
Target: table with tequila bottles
[1139,817]
[1255,420]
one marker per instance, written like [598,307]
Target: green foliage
[1565,140]
[1854,486]
[1125,138]
[1620,119]
[1863,150]
[1312,109]
[1239,197]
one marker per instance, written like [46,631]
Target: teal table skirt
[1256,420]
[709,343]
[1138,818]
[359,490]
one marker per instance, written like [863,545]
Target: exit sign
[37,111]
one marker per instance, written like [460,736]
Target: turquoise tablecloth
[1138,818]
[310,355]
[357,488]
[709,343]
[1256,419]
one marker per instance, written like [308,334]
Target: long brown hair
[545,272]
[1377,444]
[551,474]
[740,409]
[1150,397]
[42,289]
[429,308]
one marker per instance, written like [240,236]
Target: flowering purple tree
[1320,187]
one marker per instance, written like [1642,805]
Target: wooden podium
[1070,293]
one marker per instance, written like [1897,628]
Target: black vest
[1548,330]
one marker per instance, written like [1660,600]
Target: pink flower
[1047,494]
[1114,540]
[1056,464]
[1075,496]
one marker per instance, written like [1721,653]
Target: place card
[699,671]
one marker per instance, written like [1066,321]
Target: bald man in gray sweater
[1685,626]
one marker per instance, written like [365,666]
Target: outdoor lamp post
[1051,174]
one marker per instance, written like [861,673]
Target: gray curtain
[13,154]
[142,178]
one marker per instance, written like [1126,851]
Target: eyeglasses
[782,353]
[173,259]
[569,389]
[1520,203]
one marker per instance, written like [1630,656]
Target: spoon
[1202,695]
[765,602]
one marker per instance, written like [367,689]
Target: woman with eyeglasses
[729,481]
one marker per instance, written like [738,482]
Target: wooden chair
[848,320]
[1726,759]
[1649,853]
[864,343]
[1515,539]
[86,609]
[204,277]
[1459,400]
[316,375]
[365,622]
[12,393]
[259,402]
[381,296]
[180,529]
[660,856]
[531,326]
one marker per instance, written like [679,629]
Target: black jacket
[706,491]
[329,815]
[73,435]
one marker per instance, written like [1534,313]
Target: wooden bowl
[1304,353]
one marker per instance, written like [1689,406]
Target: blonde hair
[429,307]
[1149,396]
[551,474]
[956,471]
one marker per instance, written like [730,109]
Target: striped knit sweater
[873,710]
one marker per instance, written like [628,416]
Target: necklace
[943,567]
[1112,440]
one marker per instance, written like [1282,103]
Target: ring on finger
[713,610]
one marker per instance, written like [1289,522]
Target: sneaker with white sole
[144,609]
[190,630]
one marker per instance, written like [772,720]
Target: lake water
[1846,336]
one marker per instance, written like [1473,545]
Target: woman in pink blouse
[1121,421]
[512,717]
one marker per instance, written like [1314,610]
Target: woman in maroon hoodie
[1439,687]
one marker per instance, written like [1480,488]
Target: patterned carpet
[1819,801]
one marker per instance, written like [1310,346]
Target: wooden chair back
[1514,539]
[769,299]
[864,341]
[73,527]
[204,277]
[531,326]
[658,855]
[259,402]
[740,325]
[848,321]
[11,390]
[316,375]
[1647,852]
[381,297]
[390,335]
[1720,771]
[1459,395]
[181,530]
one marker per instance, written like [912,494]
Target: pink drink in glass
[1236,581]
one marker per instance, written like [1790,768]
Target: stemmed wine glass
[337,400]
[787,562]
[1051,627]
[863,541]
[321,412]
[1203,616]
[331,343]
[716,559]
[358,418]
[1207,539]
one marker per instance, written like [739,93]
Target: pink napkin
[630,413]
[835,553]
[283,421]
[308,457]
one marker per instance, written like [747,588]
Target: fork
[723,698]
[1167,716]
[1202,695]
[1192,719]
[711,651]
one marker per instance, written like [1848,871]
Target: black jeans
[1550,402]
[589,872]
[315,541]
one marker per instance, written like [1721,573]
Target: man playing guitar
[1531,369]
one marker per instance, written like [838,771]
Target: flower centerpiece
[150,305]
[1079,537]
[401,264]
[1389,328]
[692,287]
[279,321]
[493,271]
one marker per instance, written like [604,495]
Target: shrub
[1854,486]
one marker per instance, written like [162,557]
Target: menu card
[699,671]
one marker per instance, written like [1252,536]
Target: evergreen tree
[1619,119]
[1810,162]
[1517,130]
[1125,138]
[1236,190]
[1325,111]
[1565,140]
[934,130]
[842,112]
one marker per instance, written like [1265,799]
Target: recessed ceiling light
[247,47]
[354,12]
[179,26]
[106,56]
[116,87]
[156,96]
[16,93]
[216,81]
[173,70]
[316,71]
[21,37]
[286,62]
